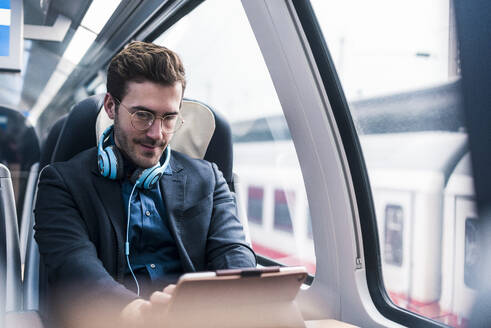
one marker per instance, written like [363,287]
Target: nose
[155,131]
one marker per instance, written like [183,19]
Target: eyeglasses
[142,120]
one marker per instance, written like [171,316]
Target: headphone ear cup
[103,158]
[119,163]
[148,178]
[103,162]
[115,163]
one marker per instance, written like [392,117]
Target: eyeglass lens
[143,120]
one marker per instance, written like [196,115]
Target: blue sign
[5,18]
[5,4]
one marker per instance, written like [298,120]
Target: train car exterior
[411,192]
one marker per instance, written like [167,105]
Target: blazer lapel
[173,190]
[109,191]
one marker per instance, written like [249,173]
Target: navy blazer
[81,225]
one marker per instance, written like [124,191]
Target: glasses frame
[161,117]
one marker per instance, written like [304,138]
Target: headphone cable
[127,244]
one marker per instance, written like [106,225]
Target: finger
[160,298]
[170,289]
[145,308]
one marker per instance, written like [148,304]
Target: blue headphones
[111,165]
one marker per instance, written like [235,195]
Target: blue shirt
[153,253]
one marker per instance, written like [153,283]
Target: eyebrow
[137,108]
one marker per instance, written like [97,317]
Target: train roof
[430,151]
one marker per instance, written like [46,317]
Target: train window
[283,201]
[472,255]
[394,229]
[255,197]
[225,69]
[396,61]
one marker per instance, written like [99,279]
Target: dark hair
[141,61]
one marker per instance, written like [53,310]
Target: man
[101,235]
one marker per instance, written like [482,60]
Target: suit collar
[109,191]
[174,163]
[173,189]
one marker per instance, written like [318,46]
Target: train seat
[49,144]
[205,134]
[27,242]
[10,266]
[47,149]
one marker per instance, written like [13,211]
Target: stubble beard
[129,147]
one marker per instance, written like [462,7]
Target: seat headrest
[49,144]
[191,139]
[205,134]
[77,133]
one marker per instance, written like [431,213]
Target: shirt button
[147,213]
[152,266]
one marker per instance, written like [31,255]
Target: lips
[148,147]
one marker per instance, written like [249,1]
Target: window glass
[396,61]
[225,69]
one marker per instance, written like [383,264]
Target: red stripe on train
[283,258]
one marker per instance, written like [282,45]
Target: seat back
[28,246]
[47,150]
[49,144]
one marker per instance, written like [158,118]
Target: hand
[162,298]
[141,313]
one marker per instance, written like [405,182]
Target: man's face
[144,148]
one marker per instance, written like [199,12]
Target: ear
[110,106]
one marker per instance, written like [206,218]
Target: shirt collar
[168,169]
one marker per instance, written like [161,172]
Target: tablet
[254,298]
